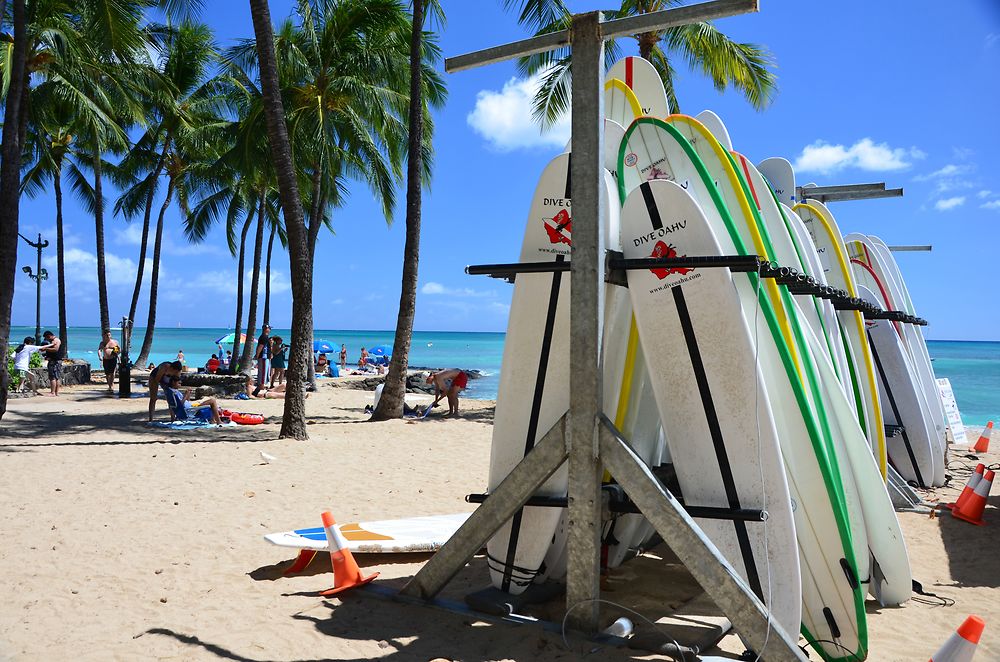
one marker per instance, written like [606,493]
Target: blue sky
[914,105]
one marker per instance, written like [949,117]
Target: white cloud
[950,170]
[949,203]
[865,154]
[132,236]
[991,39]
[985,193]
[993,205]
[433,288]
[81,269]
[336,302]
[504,118]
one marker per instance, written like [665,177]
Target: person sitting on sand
[151,367]
[182,410]
[22,363]
[212,365]
[448,383]
[322,364]
[161,375]
[108,350]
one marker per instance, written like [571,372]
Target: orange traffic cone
[346,573]
[972,510]
[969,488]
[961,646]
[983,444]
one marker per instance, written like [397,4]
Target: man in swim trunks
[161,376]
[448,383]
[53,357]
[108,351]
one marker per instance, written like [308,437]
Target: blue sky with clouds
[898,91]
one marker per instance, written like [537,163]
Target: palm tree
[16,84]
[743,66]
[293,422]
[390,405]
[182,124]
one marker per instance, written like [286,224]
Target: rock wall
[74,372]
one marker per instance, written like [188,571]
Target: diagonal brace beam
[512,493]
[702,558]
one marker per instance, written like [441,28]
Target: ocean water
[432,349]
[974,371]
[972,367]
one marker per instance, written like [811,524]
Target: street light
[38,276]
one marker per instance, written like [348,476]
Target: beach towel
[193,424]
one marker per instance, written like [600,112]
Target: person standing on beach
[263,356]
[22,363]
[343,356]
[162,375]
[363,361]
[53,358]
[448,383]
[278,350]
[108,350]
[182,360]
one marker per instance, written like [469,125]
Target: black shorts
[55,369]
[110,365]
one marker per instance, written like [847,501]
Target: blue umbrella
[380,350]
[322,346]
[230,338]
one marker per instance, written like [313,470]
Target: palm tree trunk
[235,362]
[267,277]
[390,405]
[250,347]
[60,263]
[293,423]
[10,184]
[102,280]
[140,268]
[316,207]
[154,279]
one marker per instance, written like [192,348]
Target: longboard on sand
[394,536]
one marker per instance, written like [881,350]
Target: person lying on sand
[161,376]
[181,408]
[276,393]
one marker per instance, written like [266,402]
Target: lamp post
[38,276]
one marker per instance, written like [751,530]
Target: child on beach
[22,363]
[278,352]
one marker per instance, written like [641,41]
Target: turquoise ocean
[431,349]
[972,367]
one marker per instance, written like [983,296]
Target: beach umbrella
[230,338]
[380,350]
[322,347]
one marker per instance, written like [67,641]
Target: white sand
[126,542]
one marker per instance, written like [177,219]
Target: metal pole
[586,306]
[38,290]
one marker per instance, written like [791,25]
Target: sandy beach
[123,541]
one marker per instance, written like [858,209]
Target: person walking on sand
[108,350]
[343,357]
[53,357]
[263,356]
[448,383]
[162,375]
[22,363]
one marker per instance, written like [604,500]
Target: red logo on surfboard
[662,249]
[559,228]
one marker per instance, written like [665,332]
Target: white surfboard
[710,392]
[642,78]
[781,177]
[829,241]
[832,609]
[395,536]
[714,123]
[911,451]
[534,384]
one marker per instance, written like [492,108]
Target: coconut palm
[293,421]
[742,66]
[182,122]
[390,405]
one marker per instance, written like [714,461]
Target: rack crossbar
[628,507]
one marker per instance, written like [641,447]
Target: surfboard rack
[584,438]
[627,506]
